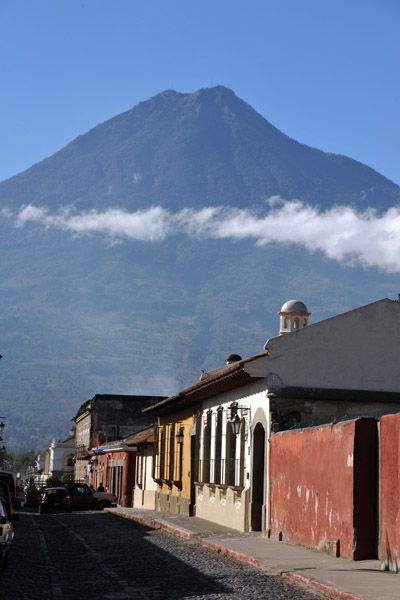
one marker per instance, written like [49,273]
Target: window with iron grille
[162,453]
[177,475]
[171,451]
[207,448]
[139,470]
[218,447]
[231,451]
[197,463]
[155,462]
[240,473]
[221,452]
[167,459]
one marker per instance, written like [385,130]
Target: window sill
[235,488]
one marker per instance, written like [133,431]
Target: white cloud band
[364,238]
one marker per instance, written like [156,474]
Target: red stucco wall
[322,487]
[389,538]
[128,462]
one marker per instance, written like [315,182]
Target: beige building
[144,491]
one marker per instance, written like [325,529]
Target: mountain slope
[81,316]
[181,150]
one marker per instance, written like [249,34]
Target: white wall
[59,452]
[144,496]
[357,350]
[227,506]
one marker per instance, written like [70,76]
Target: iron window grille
[167,461]
[226,464]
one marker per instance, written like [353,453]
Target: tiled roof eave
[231,378]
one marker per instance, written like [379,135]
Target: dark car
[8,478]
[57,498]
[6,535]
[82,497]
[5,495]
[32,497]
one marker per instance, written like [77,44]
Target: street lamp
[179,436]
[236,424]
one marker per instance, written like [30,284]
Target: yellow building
[197,452]
[174,462]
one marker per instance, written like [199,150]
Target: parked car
[83,497]
[5,495]
[56,498]
[104,499]
[32,497]
[8,477]
[6,535]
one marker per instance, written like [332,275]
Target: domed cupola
[293,315]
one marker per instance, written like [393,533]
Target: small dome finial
[293,315]
[232,358]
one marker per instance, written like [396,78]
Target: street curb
[179,531]
[136,518]
[232,553]
[322,587]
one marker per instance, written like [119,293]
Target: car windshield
[3,512]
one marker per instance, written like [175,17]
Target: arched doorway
[258,477]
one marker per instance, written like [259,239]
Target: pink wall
[390,491]
[322,485]
[128,462]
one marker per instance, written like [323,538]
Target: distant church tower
[293,315]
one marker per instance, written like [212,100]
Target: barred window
[218,447]
[207,448]
[171,451]
[220,454]
[231,450]
[197,464]
[167,456]
[139,465]
[162,453]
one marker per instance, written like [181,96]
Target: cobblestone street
[99,556]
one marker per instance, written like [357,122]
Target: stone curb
[232,553]
[179,531]
[322,587]
[189,535]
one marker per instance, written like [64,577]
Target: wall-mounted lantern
[1,426]
[179,436]
[236,424]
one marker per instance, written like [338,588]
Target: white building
[339,368]
[62,458]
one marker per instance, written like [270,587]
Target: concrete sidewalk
[338,577]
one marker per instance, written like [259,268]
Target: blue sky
[324,72]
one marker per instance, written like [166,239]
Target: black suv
[56,498]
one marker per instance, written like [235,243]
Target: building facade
[338,369]
[113,465]
[107,418]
